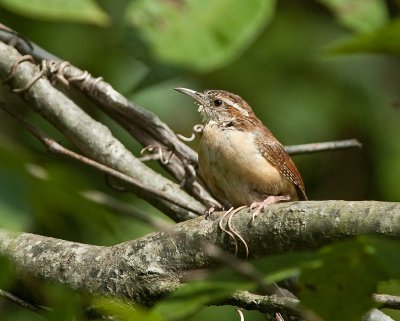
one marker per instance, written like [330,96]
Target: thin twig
[322,147]
[197,129]
[58,149]
[143,125]
[12,298]
[93,138]
[263,303]
[241,267]
[387,301]
[287,305]
[118,206]
[270,304]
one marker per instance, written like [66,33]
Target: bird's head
[219,106]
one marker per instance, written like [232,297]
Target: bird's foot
[208,212]
[212,209]
[257,207]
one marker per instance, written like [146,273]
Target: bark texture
[91,137]
[145,269]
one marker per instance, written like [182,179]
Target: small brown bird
[240,160]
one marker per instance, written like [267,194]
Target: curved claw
[272,199]
[235,233]
[231,231]
[220,224]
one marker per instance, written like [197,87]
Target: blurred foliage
[336,282]
[84,11]
[192,297]
[124,311]
[354,268]
[384,40]
[305,67]
[199,34]
[361,16]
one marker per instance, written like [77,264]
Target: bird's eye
[217,102]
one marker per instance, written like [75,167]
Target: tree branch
[12,298]
[291,306]
[387,301]
[148,268]
[142,124]
[91,137]
[146,127]
[58,149]
[145,269]
[324,146]
[264,303]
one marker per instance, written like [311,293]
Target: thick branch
[147,268]
[91,137]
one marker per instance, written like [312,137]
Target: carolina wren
[240,160]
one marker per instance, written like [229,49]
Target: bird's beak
[197,96]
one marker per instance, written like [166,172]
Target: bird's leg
[272,199]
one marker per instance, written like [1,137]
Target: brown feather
[275,153]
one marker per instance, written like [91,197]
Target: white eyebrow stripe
[235,105]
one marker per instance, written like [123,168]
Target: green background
[313,71]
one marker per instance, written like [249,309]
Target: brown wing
[274,152]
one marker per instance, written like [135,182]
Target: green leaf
[336,282]
[14,187]
[279,267]
[63,302]
[191,297]
[7,274]
[123,310]
[83,11]
[340,287]
[385,40]
[360,16]
[200,34]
